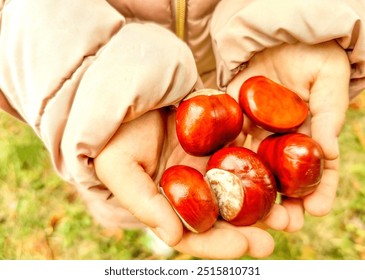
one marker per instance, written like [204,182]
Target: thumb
[329,100]
[126,166]
[137,193]
[328,104]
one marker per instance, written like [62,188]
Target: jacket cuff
[248,27]
[142,68]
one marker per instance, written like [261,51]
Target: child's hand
[320,75]
[131,166]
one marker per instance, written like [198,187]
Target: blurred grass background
[41,217]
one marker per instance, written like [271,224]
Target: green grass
[41,217]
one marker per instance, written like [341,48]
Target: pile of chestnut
[241,185]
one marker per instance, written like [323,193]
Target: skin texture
[130,166]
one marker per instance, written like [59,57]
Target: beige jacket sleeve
[75,71]
[242,28]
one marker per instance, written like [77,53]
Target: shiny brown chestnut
[296,161]
[191,197]
[244,186]
[272,106]
[207,120]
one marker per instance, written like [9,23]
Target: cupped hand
[131,165]
[320,75]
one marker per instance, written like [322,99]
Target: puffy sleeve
[250,26]
[75,71]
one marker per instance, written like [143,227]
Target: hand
[131,166]
[320,74]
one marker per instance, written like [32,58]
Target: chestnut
[272,106]
[296,161]
[244,186]
[207,121]
[191,197]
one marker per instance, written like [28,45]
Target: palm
[320,75]
[140,151]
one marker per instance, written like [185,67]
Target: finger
[260,243]
[320,202]
[125,168]
[328,105]
[278,218]
[214,244]
[328,102]
[136,192]
[225,241]
[255,134]
[295,212]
